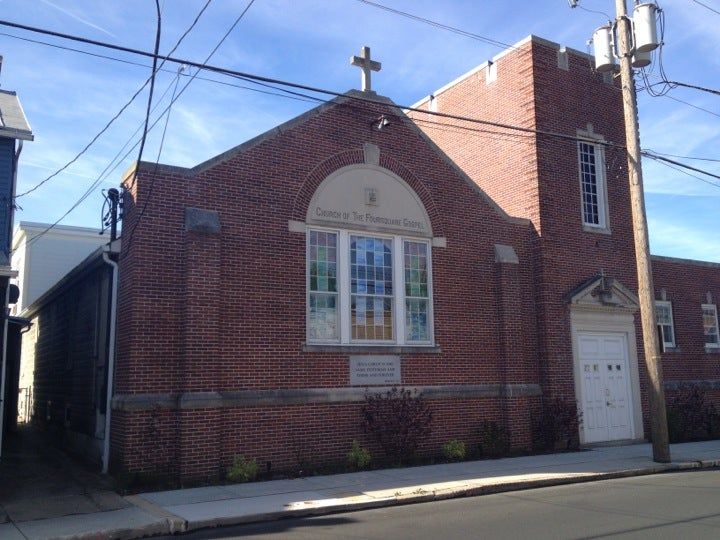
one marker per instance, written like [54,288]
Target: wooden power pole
[646,290]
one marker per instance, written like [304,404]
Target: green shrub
[398,419]
[243,470]
[358,458]
[454,450]
[558,427]
[494,440]
[690,417]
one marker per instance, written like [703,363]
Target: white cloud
[674,239]
[77,17]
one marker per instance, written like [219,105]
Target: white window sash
[713,308]
[344,293]
[600,181]
[670,323]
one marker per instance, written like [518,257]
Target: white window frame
[344,290]
[668,304]
[593,140]
[713,307]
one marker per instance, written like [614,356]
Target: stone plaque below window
[368,370]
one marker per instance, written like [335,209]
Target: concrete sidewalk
[188,509]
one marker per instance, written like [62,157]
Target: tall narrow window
[371,288]
[710,326]
[592,184]
[416,291]
[663,311]
[323,287]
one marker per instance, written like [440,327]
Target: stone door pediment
[603,293]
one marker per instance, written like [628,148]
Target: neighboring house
[42,261]
[14,130]
[42,256]
[63,377]
[264,292]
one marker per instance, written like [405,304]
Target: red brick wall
[686,285]
[536,176]
[233,318]
[226,312]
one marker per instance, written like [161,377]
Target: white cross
[363,62]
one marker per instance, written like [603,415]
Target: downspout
[8,232]
[110,361]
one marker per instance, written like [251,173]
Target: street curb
[175,524]
[442,494]
[120,533]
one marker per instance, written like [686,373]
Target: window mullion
[399,289]
[344,285]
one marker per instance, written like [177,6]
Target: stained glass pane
[322,267]
[416,319]
[323,316]
[371,288]
[416,291]
[322,261]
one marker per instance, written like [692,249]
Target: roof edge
[532,38]
[90,262]
[286,126]
[707,264]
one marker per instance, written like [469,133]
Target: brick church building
[358,245]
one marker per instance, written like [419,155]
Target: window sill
[371,349]
[597,230]
[712,350]
[672,350]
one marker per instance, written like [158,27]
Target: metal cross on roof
[367,66]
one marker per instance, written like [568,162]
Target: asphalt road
[678,505]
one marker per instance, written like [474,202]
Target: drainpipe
[110,361]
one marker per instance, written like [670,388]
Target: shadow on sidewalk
[40,481]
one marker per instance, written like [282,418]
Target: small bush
[557,428]
[454,450]
[398,419]
[243,470]
[690,417]
[358,458]
[494,440]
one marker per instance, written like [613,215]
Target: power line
[459,31]
[706,6]
[87,193]
[152,83]
[682,157]
[256,78]
[671,162]
[154,175]
[146,66]
[118,114]
[692,105]
[693,86]
[107,171]
[684,172]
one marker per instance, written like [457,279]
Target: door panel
[606,404]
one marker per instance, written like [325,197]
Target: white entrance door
[606,404]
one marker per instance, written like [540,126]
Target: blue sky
[68,97]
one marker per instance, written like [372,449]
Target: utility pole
[646,290]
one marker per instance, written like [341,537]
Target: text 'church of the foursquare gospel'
[360,246]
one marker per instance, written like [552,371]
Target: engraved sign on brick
[370,370]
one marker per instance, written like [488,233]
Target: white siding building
[43,262]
